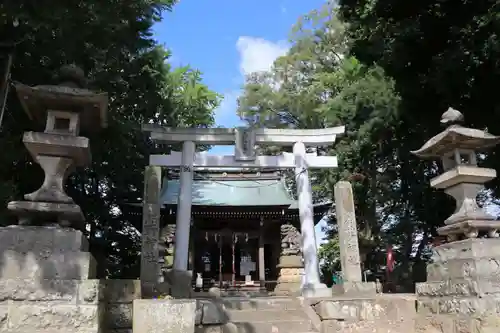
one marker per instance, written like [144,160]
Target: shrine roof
[231,192]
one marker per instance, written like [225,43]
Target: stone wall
[49,305]
[67,305]
[48,284]
[118,298]
[462,292]
[380,314]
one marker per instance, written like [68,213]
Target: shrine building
[243,223]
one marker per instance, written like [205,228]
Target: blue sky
[227,39]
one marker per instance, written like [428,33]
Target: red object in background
[390,259]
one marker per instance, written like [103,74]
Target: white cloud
[255,55]
[258,54]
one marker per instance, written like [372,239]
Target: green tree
[316,85]
[329,256]
[112,42]
[440,54]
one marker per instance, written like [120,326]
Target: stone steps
[259,327]
[258,315]
[263,315]
[273,327]
[261,303]
[266,315]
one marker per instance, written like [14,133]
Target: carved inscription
[244,144]
[348,233]
[150,267]
[351,239]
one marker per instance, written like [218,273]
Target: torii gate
[245,140]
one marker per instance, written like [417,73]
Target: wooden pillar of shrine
[261,261]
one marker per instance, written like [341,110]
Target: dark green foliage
[112,42]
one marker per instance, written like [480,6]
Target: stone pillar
[290,264]
[184,202]
[181,277]
[312,286]
[150,267]
[348,243]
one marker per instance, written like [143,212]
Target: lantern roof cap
[70,93]
[456,137]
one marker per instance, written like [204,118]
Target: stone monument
[352,283]
[462,291]
[46,269]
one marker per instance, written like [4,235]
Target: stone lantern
[64,109]
[463,280]
[47,255]
[462,179]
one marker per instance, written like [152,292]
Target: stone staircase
[261,315]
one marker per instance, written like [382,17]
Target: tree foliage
[112,41]
[386,70]
[318,84]
[440,54]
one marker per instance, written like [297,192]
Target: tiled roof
[230,193]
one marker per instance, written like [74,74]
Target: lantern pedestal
[463,286]
[463,280]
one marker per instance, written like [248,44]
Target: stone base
[45,282]
[180,283]
[290,276]
[60,306]
[370,308]
[380,314]
[30,252]
[289,282]
[462,291]
[42,239]
[456,324]
[65,266]
[164,316]
[368,289]
[465,259]
[319,290]
[56,306]
[66,214]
